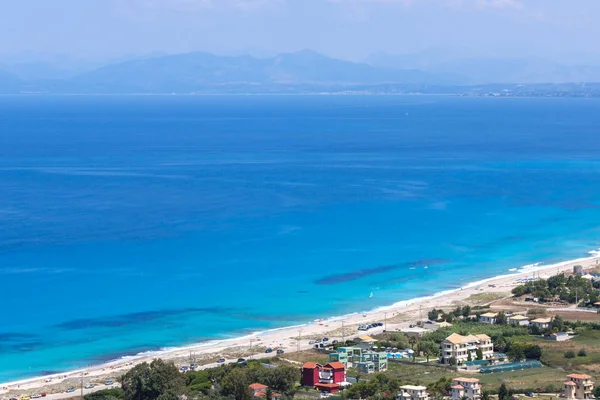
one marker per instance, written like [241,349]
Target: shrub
[582,353]
[570,354]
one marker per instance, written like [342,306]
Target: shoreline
[287,337]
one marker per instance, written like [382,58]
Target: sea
[131,224]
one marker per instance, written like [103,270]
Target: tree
[504,393]
[516,352]
[569,354]
[236,384]
[452,361]
[428,348]
[558,324]
[469,356]
[479,354]
[485,395]
[412,341]
[363,390]
[158,380]
[434,314]
[106,394]
[533,352]
[582,353]
[500,345]
[597,392]
[198,381]
[466,311]
[501,318]
[519,291]
[282,379]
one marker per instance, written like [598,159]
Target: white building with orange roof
[578,386]
[466,387]
[459,347]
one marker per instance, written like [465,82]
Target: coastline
[286,337]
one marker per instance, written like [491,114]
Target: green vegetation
[569,354]
[381,385]
[158,380]
[106,394]
[569,289]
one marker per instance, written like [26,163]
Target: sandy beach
[289,339]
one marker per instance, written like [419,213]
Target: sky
[348,29]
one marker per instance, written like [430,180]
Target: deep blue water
[134,223]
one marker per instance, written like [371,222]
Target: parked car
[529,394]
[311,342]
[241,361]
[43,394]
[36,396]
[89,386]
[380,324]
[184,368]
[334,342]
[269,350]
[280,351]
[70,390]
[12,398]
[326,339]
[221,360]
[108,382]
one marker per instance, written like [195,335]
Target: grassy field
[553,353]
[519,380]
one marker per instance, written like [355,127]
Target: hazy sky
[348,29]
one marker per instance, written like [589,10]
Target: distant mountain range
[301,72]
[486,70]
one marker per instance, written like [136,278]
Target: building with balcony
[410,392]
[460,347]
[325,378]
[466,387]
[578,386]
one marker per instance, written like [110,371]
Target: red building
[325,378]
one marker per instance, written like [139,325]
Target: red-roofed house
[260,390]
[310,374]
[579,386]
[466,387]
[326,378]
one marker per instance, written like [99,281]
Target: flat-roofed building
[410,392]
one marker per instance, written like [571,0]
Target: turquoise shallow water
[135,223]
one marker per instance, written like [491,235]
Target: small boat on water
[512,269]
